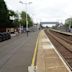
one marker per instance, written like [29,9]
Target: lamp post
[26,15]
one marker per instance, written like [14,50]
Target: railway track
[63,44]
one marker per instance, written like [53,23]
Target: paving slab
[48,59]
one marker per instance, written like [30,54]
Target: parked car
[7,35]
[4,36]
[0,38]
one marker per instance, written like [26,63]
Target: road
[16,54]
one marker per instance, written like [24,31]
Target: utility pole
[26,15]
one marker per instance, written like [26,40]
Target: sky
[44,10]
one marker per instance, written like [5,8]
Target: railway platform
[48,58]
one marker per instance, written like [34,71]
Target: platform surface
[48,59]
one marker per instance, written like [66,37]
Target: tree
[4,17]
[14,17]
[68,22]
[23,19]
[12,13]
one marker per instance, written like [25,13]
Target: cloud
[44,9]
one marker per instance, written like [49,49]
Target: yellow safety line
[35,51]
